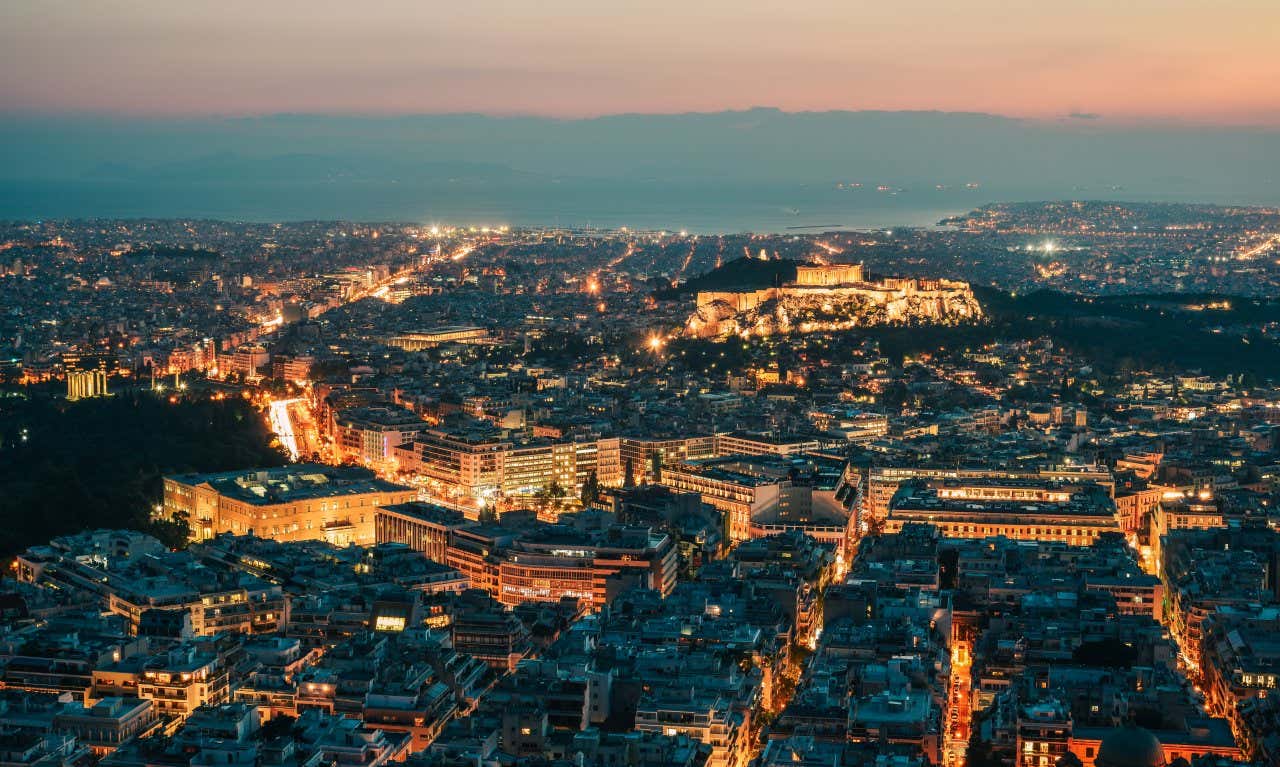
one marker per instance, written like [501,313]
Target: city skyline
[411,384]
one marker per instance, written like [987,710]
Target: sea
[705,208]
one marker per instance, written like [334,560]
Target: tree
[55,486]
[591,489]
[174,532]
[628,474]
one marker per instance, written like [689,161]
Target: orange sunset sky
[1125,60]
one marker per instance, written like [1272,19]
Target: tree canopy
[99,463]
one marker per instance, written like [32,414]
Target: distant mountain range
[232,167]
[902,149]
[753,170]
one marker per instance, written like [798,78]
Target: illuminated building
[1176,511]
[291,503]
[544,563]
[177,682]
[486,631]
[739,489]
[420,526]
[553,564]
[108,722]
[851,425]
[200,356]
[1032,510]
[475,466]
[428,339]
[642,454]
[883,481]
[1241,663]
[1135,502]
[47,668]
[137,581]
[246,362]
[828,275]
[84,384]
[1043,734]
[1132,746]
[705,717]
[743,443]
[181,360]
[368,435]
[1220,574]
[762,495]
[290,368]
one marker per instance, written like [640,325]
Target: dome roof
[1130,746]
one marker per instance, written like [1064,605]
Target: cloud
[1083,116]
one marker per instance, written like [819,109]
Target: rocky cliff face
[804,310]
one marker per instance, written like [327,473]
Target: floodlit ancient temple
[831,297]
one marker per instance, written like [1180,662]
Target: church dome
[1130,746]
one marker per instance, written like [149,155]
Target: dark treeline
[738,274]
[1117,333]
[67,466]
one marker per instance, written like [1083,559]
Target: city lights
[784,467]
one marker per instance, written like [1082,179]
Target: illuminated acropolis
[830,297]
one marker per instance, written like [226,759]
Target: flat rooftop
[285,484]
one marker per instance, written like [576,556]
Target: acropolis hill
[830,297]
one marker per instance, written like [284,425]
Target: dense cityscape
[1000,492]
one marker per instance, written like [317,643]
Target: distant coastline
[699,209]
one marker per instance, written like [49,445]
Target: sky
[1137,61]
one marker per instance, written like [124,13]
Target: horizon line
[1076,119]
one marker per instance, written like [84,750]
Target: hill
[739,274]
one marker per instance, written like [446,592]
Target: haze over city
[709,116]
[581,384]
